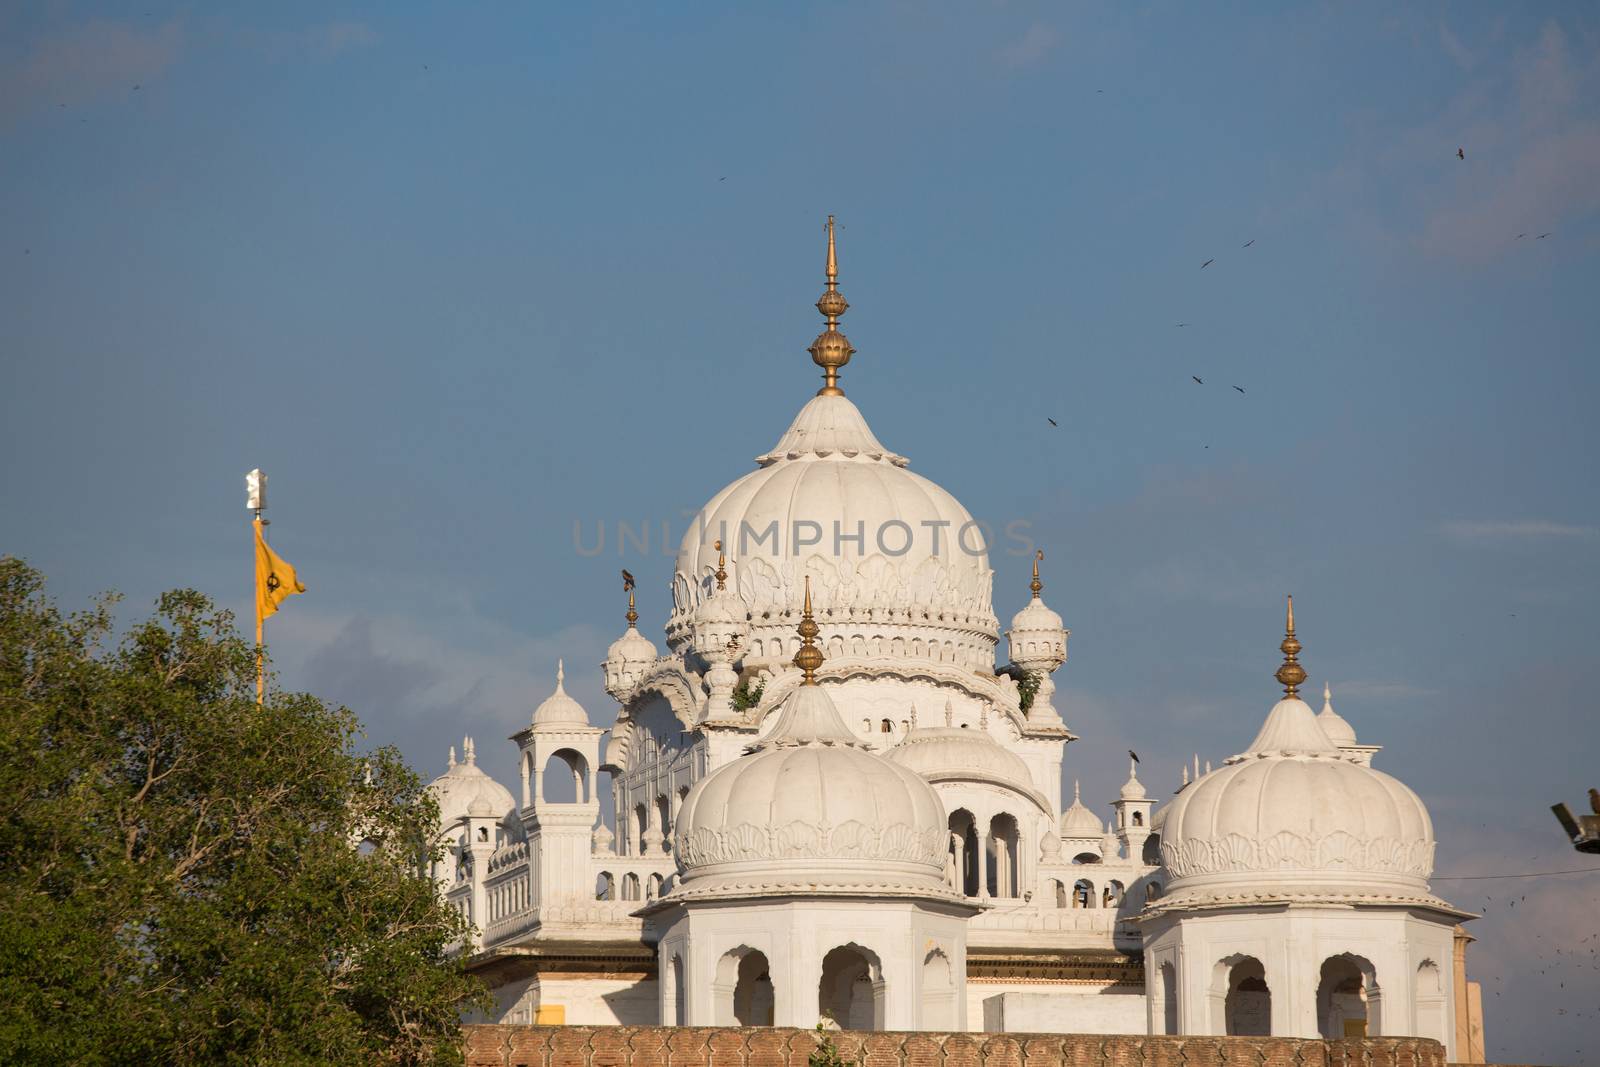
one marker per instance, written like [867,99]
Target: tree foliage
[191,878]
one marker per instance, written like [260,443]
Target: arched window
[1152,890]
[664,819]
[652,888]
[565,779]
[630,886]
[965,863]
[1347,998]
[1083,893]
[1245,999]
[851,990]
[1061,893]
[742,994]
[1003,853]
[605,887]
[1138,818]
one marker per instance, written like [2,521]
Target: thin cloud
[336,37]
[1513,530]
[81,64]
[1455,49]
[1533,148]
[1038,41]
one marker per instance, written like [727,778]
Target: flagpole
[261,660]
[256,500]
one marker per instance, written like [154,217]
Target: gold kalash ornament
[832,349]
[1290,675]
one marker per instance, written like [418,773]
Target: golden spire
[1036,585]
[809,657]
[632,616]
[1291,674]
[831,350]
[722,571]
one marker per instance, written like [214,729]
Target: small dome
[1333,724]
[1078,823]
[811,808]
[1133,789]
[464,790]
[602,838]
[947,752]
[1050,847]
[1292,813]
[1034,617]
[632,648]
[558,709]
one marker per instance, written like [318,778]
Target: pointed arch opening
[742,993]
[1348,1003]
[851,989]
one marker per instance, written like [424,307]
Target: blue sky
[460,278]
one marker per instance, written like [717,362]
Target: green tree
[187,877]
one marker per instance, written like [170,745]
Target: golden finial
[1291,674]
[831,350]
[1036,585]
[809,657]
[722,572]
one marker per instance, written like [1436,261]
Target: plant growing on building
[747,696]
[1027,688]
[826,1054]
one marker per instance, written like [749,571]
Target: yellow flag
[275,579]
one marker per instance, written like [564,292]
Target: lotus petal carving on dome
[1338,850]
[802,840]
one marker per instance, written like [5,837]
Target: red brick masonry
[667,1046]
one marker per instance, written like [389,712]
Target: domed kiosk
[811,884]
[1297,902]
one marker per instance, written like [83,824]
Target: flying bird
[1134,755]
[723,178]
[1051,421]
[1183,324]
[1250,242]
[1207,263]
[1461,153]
[1541,237]
[627,580]
[1240,388]
[1197,380]
[1520,236]
[135,88]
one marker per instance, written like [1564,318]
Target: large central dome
[891,556]
[880,543]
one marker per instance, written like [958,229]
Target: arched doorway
[1347,998]
[742,993]
[1241,993]
[851,989]
[938,993]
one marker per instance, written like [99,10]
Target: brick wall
[663,1046]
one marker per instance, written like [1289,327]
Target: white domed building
[1297,901]
[828,798]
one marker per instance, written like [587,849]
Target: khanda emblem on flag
[275,577]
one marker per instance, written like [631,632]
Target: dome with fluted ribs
[881,544]
[1294,814]
[811,809]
